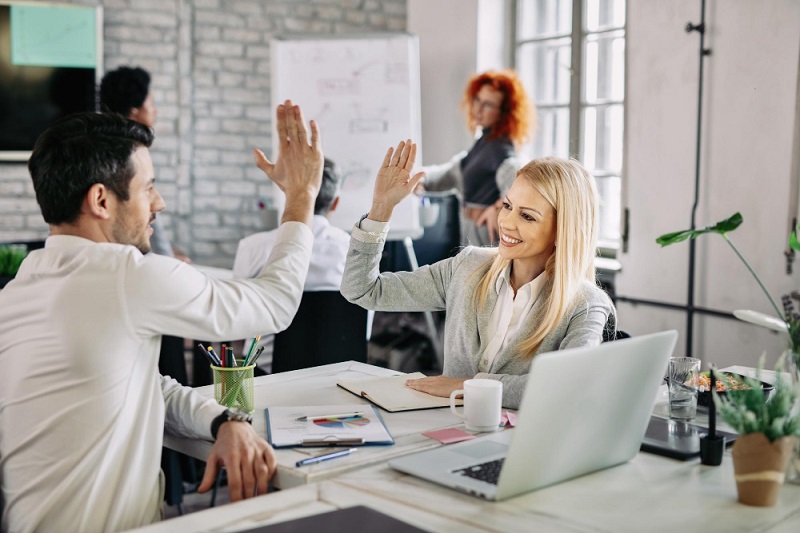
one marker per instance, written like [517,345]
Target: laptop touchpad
[480,450]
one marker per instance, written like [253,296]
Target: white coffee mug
[483,399]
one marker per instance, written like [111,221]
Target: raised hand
[298,169]
[394,181]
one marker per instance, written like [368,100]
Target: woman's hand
[394,181]
[436,386]
[489,217]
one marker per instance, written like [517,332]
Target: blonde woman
[534,293]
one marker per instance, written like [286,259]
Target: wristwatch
[229,415]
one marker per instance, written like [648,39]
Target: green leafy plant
[749,410]
[788,316]
[11,256]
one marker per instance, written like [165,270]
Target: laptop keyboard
[488,472]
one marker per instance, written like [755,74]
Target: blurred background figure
[126,91]
[327,257]
[502,118]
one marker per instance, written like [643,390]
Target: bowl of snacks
[726,381]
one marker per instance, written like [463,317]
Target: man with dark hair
[83,409]
[126,91]
[327,258]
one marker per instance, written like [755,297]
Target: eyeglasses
[484,105]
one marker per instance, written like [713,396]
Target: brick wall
[210,63]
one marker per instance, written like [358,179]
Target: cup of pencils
[233,380]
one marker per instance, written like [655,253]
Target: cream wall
[749,164]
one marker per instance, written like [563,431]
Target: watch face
[239,415]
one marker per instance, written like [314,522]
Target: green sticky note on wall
[47,36]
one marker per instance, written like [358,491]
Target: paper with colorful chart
[323,425]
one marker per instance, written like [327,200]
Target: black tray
[704,398]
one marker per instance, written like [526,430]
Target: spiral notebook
[390,393]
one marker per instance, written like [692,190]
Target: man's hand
[437,385]
[249,460]
[394,181]
[489,218]
[298,168]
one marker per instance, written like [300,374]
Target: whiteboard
[363,91]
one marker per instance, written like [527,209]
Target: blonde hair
[572,192]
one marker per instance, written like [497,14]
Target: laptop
[583,409]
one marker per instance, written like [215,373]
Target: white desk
[317,386]
[649,493]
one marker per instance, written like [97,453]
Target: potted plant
[768,428]
[768,431]
[11,256]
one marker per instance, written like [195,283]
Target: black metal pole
[690,308]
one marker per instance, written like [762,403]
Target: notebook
[390,393]
[583,409]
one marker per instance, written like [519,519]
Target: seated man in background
[83,409]
[327,257]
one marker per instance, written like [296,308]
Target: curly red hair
[517,114]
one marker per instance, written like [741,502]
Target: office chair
[326,329]
[610,333]
[442,238]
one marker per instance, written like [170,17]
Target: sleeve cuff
[370,231]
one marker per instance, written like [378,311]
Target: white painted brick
[12,188]
[207,125]
[218,172]
[219,49]
[242,36]
[263,112]
[238,64]
[226,110]
[129,33]
[226,79]
[244,96]
[355,17]
[257,51]
[13,171]
[156,5]
[36,222]
[224,19]
[206,4]
[210,64]
[240,126]
[329,13]
[239,188]
[207,33]
[127,17]
[203,249]
[18,205]
[12,221]
[206,188]
[246,7]
[397,24]
[221,203]
[205,218]
[207,94]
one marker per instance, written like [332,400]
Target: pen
[214,360]
[325,457]
[320,417]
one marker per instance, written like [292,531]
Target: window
[578,90]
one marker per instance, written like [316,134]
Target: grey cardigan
[450,286]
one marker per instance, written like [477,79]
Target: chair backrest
[442,239]
[326,329]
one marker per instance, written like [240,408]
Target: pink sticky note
[448,436]
[508,419]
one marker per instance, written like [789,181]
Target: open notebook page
[391,393]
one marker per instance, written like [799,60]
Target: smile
[508,240]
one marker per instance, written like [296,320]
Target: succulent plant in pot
[768,430]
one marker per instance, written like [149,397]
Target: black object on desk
[675,439]
[712,446]
[349,520]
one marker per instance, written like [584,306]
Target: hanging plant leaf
[725,226]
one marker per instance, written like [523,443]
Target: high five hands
[394,181]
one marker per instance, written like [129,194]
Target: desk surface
[649,493]
[317,386]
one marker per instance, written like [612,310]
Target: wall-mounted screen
[50,65]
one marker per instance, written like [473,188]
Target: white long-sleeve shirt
[82,406]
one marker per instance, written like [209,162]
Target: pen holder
[233,387]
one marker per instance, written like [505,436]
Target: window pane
[552,135]
[537,18]
[604,14]
[604,75]
[609,189]
[602,138]
[545,70]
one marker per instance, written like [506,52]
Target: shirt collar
[64,241]
[535,286]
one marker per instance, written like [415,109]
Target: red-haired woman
[495,102]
